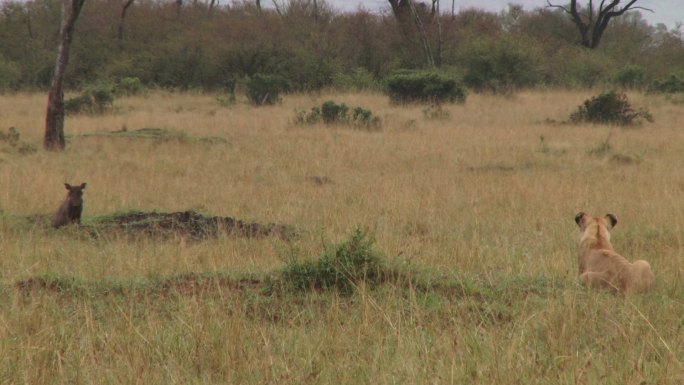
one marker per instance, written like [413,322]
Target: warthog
[72,207]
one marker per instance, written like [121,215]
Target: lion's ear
[578,218]
[612,219]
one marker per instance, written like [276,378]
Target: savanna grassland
[474,210]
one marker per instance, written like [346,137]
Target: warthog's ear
[68,186]
[578,218]
[612,219]
[83,186]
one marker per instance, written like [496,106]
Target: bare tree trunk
[258,5]
[212,4]
[28,23]
[423,35]
[124,9]
[54,120]
[277,7]
[440,37]
[315,6]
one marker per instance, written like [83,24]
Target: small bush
[11,138]
[359,79]
[341,267]
[333,113]
[436,112]
[79,104]
[609,108]
[313,117]
[264,89]
[229,99]
[630,76]
[670,85]
[96,99]
[103,97]
[425,87]
[363,117]
[129,86]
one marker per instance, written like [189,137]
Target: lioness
[600,266]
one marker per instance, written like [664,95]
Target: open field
[477,207]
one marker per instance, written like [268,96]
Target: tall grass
[469,204]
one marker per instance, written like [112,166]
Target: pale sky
[664,11]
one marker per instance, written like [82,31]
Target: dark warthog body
[70,211]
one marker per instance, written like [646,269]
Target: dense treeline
[206,46]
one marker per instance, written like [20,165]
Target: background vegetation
[190,45]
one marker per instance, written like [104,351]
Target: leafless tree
[277,7]
[423,35]
[125,4]
[592,23]
[404,11]
[54,120]
[212,4]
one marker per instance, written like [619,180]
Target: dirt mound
[194,225]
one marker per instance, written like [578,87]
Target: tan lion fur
[600,266]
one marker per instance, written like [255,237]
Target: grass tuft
[341,267]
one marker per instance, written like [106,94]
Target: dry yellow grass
[479,193]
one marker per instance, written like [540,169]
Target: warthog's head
[75,194]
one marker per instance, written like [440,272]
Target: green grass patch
[157,134]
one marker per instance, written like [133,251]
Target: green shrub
[312,117]
[609,108]
[363,117]
[359,79]
[341,267]
[96,99]
[670,85]
[10,75]
[264,89]
[103,96]
[574,66]
[333,113]
[424,86]
[500,64]
[79,104]
[129,86]
[630,76]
